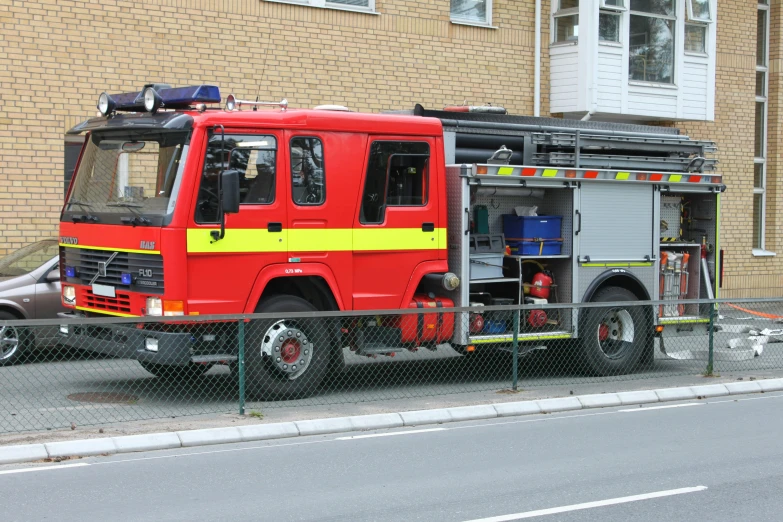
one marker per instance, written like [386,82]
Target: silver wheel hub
[9,342]
[616,332]
[288,348]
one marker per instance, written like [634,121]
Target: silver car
[29,289]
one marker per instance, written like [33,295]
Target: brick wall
[59,55]
[733,130]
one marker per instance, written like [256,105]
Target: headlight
[105,104]
[231,103]
[154,306]
[152,101]
[69,295]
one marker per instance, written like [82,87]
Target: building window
[695,38]
[760,128]
[651,41]
[472,11]
[609,27]
[566,21]
[353,5]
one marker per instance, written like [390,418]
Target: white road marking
[390,434]
[589,505]
[44,468]
[665,407]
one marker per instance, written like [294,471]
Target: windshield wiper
[84,219]
[138,219]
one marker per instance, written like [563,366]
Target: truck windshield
[129,177]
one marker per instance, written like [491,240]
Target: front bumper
[129,342]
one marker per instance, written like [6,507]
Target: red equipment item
[476,323]
[429,327]
[541,284]
[537,318]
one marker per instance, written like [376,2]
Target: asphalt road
[708,460]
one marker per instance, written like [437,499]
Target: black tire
[614,339]
[14,341]
[171,372]
[304,348]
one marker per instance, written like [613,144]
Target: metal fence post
[515,350]
[241,364]
[711,340]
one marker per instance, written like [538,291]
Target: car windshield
[27,259]
[128,175]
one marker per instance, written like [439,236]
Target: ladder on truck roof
[551,142]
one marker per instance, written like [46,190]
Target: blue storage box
[535,248]
[518,228]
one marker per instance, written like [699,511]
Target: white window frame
[326,4]
[691,19]
[674,18]
[760,248]
[468,21]
[611,7]
[564,13]
[619,15]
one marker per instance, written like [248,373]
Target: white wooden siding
[609,80]
[564,79]
[695,85]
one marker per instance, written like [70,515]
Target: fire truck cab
[178,209]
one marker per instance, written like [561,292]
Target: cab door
[323,180]
[396,224]
[222,272]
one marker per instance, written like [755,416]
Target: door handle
[274,227]
[428,227]
[579,229]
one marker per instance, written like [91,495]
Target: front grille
[146,270]
[120,304]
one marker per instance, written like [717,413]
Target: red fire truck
[181,207]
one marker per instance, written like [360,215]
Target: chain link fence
[103,371]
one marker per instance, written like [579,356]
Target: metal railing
[107,371]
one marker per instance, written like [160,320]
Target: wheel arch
[617,277]
[314,283]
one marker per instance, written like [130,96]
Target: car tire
[286,358]
[14,341]
[613,339]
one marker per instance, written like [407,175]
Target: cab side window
[308,183]
[253,156]
[397,175]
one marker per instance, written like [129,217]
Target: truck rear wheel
[286,358]
[613,338]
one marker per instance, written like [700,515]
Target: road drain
[104,397]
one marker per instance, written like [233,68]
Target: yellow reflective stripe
[615,264]
[505,171]
[622,175]
[112,249]
[237,240]
[675,178]
[549,173]
[116,314]
[319,239]
[687,321]
[316,240]
[365,239]
[521,338]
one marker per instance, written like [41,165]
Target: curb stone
[258,432]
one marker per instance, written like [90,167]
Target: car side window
[254,156]
[308,183]
[397,175]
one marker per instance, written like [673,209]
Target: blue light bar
[172,97]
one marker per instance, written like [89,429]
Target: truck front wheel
[613,338]
[286,358]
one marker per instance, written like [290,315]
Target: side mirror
[230,186]
[53,276]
